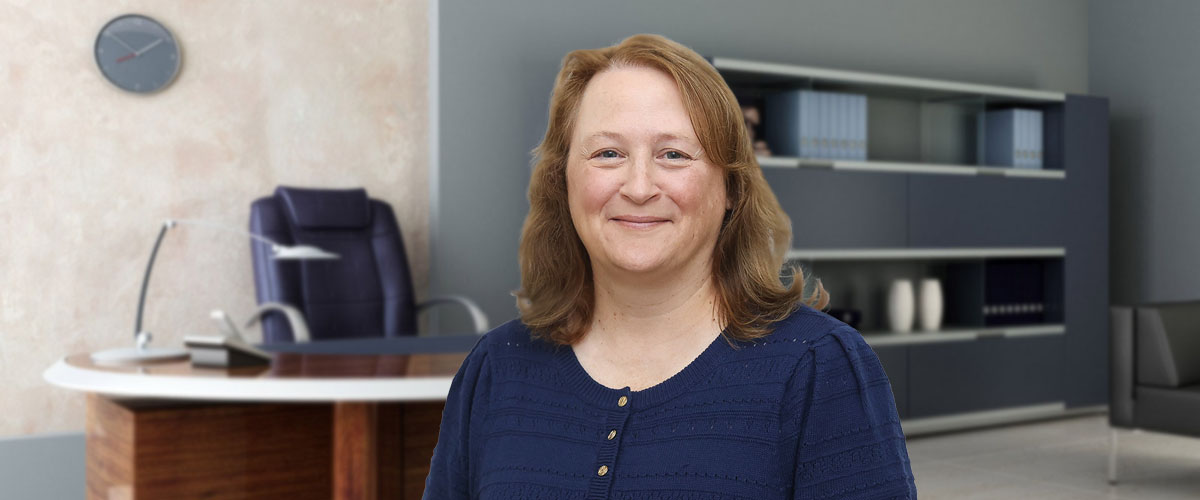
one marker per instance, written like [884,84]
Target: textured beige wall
[302,93]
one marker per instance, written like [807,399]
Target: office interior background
[433,106]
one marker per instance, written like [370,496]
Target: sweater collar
[577,380]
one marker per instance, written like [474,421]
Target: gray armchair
[1154,371]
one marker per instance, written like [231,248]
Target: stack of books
[814,124]
[1011,138]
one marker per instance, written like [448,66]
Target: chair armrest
[477,315]
[294,317]
[1122,368]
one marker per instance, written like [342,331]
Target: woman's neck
[634,313]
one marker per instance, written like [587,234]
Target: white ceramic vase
[900,306]
[931,304]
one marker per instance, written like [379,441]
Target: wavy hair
[556,298]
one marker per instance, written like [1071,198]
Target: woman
[658,354]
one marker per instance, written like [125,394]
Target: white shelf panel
[1035,173]
[925,253]
[907,168]
[779,162]
[910,168]
[876,339]
[885,81]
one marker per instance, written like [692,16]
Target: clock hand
[122,42]
[137,53]
[148,47]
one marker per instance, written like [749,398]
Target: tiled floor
[1058,459]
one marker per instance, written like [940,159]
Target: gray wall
[1143,57]
[498,61]
[43,466]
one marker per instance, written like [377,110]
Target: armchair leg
[1112,455]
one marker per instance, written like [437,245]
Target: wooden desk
[347,426]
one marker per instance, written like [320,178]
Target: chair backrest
[368,292]
[1168,344]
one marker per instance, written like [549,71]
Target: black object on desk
[224,352]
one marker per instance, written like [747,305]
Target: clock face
[137,54]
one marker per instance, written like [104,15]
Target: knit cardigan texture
[805,412]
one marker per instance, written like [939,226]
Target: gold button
[612,434]
[603,470]
[623,401]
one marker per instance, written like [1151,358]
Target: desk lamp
[142,352]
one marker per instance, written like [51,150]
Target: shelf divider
[885,81]
[925,253]
[908,168]
[876,339]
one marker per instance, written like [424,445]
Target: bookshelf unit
[914,125]
[923,205]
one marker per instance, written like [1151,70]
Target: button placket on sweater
[610,445]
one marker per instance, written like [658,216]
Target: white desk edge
[298,390]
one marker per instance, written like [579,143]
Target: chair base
[1112,455]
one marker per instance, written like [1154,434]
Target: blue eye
[676,155]
[608,153]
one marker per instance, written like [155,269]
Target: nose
[640,185]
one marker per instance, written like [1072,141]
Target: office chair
[367,292]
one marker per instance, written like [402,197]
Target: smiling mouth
[639,222]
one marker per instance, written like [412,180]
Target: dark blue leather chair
[367,292]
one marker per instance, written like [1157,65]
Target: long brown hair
[556,295]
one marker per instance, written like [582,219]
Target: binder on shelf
[850,136]
[812,124]
[1010,137]
[851,127]
[782,127]
[1038,142]
[1026,135]
[809,122]
[997,141]
[1032,122]
[1028,163]
[822,127]
[836,130]
[1020,138]
[825,125]
[860,115]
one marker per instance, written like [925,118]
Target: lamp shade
[301,252]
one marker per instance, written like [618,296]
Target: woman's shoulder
[828,352]
[806,344]
[817,344]
[806,328]
[512,336]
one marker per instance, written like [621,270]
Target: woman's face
[642,195]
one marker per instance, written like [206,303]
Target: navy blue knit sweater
[806,412]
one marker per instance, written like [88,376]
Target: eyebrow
[659,137]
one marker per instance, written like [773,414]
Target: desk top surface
[419,369]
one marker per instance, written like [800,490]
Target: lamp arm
[167,225]
[222,227]
[137,324]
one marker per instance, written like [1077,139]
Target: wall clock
[137,54]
